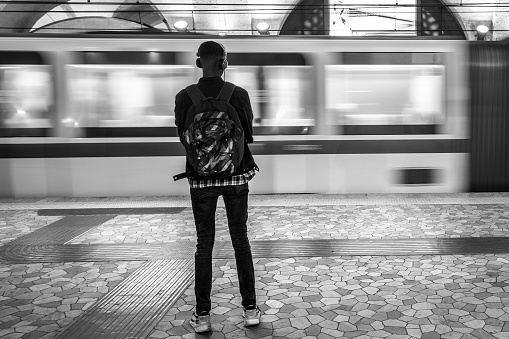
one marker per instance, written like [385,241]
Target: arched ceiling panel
[104,8]
[215,16]
[142,11]
[307,18]
[436,19]
[78,25]
[21,18]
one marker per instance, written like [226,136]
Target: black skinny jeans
[204,202]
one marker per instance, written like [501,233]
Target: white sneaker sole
[202,329]
[251,322]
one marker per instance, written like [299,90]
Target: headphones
[224,60]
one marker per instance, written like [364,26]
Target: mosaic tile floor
[361,297]
[316,222]
[37,300]
[370,296]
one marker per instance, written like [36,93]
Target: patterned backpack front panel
[213,138]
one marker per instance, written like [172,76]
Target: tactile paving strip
[62,231]
[136,305]
[46,253]
[115,210]
[260,249]
[371,247]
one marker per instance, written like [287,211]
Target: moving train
[92,115]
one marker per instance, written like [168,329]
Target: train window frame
[267,60]
[20,123]
[140,61]
[401,60]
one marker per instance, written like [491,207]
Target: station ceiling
[241,17]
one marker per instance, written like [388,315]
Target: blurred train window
[281,97]
[26,98]
[395,98]
[128,58]
[386,58]
[125,97]
[280,86]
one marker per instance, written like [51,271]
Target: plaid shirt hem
[240,179]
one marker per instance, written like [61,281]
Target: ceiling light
[482,30]
[180,26]
[263,28]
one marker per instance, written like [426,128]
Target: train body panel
[327,174]
[381,173]
[93,116]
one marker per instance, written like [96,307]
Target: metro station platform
[327,266]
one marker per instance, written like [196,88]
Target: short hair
[211,50]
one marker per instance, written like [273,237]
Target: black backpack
[213,136]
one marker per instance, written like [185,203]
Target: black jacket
[210,87]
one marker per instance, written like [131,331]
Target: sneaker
[252,316]
[201,323]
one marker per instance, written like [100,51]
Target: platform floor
[327,266]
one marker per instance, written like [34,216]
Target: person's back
[213,135]
[234,188]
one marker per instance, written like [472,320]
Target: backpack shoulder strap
[194,93]
[226,92]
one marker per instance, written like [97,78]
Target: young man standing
[212,59]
